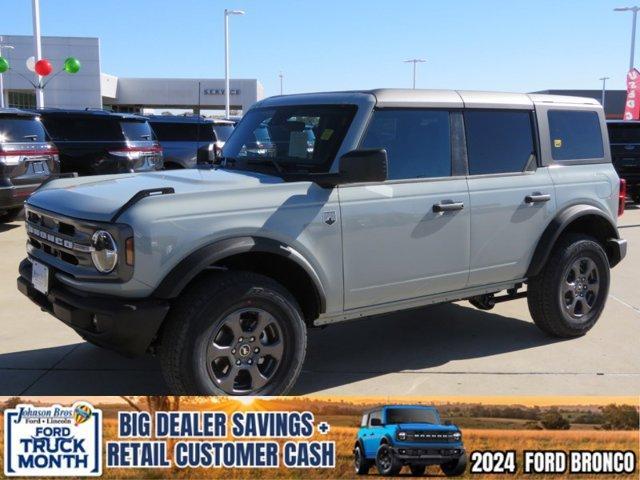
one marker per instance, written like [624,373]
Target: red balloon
[43,67]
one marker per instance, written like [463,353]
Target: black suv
[188,141]
[96,142]
[624,138]
[27,158]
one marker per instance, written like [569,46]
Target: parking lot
[446,349]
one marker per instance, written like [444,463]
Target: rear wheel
[386,461]
[10,215]
[233,333]
[361,464]
[568,296]
[456,467]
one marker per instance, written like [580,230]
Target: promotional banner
[320,437]
[632,104]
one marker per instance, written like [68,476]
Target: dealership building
[91,88]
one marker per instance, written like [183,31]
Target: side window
[365,419]
[575,134]
[499,141]
[377,414]
[418,142]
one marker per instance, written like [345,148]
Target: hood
[98,198]
[427,426]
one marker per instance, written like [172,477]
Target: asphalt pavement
[451,349]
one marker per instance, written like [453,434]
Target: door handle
[447,207]
[537,198]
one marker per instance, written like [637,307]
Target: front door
[409,236]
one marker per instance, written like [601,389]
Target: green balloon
[4,65]
[71,65]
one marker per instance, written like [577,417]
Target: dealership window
[16,99]
[575,134]
[499,141]
[418,142]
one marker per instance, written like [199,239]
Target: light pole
[7,47]
[633,9]
[281,77]
[415,61]
[38,48]
[226,57]
[604,91]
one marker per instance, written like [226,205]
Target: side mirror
[447,423]
[365,165]
[375,422]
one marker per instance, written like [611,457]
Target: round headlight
[457,436]
[402,435]
[105,253]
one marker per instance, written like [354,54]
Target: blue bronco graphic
[393,436]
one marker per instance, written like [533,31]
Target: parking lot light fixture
[415,61]
[604,91]
[226,58]
[633,9]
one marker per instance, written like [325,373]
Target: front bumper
[14,197]
[125,325]
[427,455]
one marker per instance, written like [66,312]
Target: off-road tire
[202,309]
[361,464]
[544,290]
[386,462]
[456,467]
[10,215]
[417,470]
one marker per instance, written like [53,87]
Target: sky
[319,45]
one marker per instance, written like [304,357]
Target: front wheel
[567,297]
[455,468]
[386,462]
[233,333]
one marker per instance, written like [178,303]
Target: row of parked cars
[38,145]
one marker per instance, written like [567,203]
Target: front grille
[429,436]
[59,237]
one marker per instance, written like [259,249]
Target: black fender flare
[558,225]
[196,262]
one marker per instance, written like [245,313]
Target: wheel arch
[577,219]
[251,253]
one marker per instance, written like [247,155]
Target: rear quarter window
[14,129]
[575,135]
[136,131]
[82,128]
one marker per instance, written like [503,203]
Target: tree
[620,417]
[552,419]
[12,402]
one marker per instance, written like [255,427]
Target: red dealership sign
[632,105]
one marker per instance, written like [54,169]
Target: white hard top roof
[398,97]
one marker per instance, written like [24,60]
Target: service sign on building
[53,440]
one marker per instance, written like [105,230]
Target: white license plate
[40,277]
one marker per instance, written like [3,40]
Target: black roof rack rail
[139,196]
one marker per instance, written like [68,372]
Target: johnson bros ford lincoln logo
[53,441]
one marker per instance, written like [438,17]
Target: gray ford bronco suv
[406,198]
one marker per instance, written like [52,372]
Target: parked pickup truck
[393,436]
[406,198]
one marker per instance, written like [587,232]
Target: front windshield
[411,415]
[289,138]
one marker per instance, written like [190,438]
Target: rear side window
[628,132]
[15,129]
[364,420]
[377,415]
[176,132]
[418,142]
[499,141]
[223,131]
[82,128]
[136,131]
[575,135]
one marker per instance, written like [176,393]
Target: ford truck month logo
[53,441]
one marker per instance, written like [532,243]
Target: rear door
[407,237]
[512,197]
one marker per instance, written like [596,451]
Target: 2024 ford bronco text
[405,198]
[396,435]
